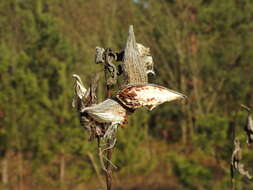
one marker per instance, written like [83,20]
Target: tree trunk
[62,170]
[184,132]
[5,177]
[20,171]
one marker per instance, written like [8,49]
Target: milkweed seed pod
[143,51]
[236,155]
[81,93]
[84,97]
[148,95]
[135,71]
[236,158]
[99,57]
[249,129]
[108,111]
[146,58]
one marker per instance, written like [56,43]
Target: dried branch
[246,108]
[90,155]
[103,157]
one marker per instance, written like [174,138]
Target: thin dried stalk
[96,168]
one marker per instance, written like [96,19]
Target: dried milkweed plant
[103,119]
[236,164]
[236,159]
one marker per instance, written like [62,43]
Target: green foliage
[190,173]
[212,132]
[132,156]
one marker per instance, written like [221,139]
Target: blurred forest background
[202,48]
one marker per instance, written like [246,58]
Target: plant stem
[108,173]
